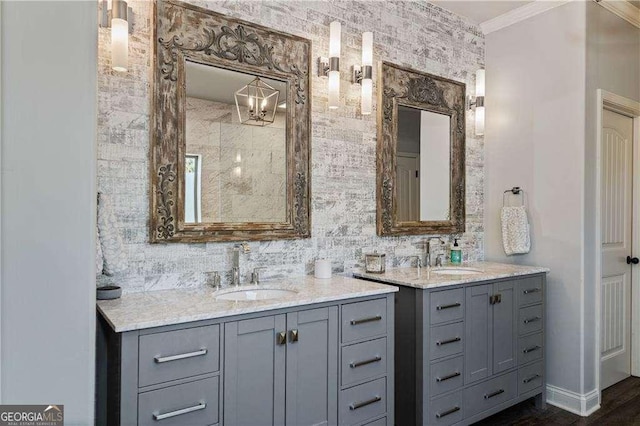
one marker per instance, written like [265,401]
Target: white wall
[535,139]
[613,64]
[49,57]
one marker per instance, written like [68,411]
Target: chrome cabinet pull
[531,290]
[364,320]
[530,379]
[281,337]
[161,359]
[453,305]
[531,349]
[446,342]
[445,378]
[447,412]
[369,361]
[158,416]
[492,394]
[357,405]
[534,319]
[293,336]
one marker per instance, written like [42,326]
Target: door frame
[631,108]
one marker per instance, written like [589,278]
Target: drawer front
[363,361]
[446,410]
[363,402]
[530,319]
[379,422]
[530,378]
[364,319]
[446,340]
[193,403]
[446,375]
[484,396]
[178,354]
[529,291]
[530,348]
[447,305]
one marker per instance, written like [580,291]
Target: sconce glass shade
[479,83]
[366,104]
[119,36]
[480,121]
[334,39]
[367,48]
[334,61]
[256,103]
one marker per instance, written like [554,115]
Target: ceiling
[479,11]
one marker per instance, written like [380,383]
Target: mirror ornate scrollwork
[230,129]
[420,153]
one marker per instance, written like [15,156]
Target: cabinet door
[254,372]
[504,327]
[312,367]
[478,333]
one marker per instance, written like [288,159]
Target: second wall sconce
[330,67]
[478,102]
[363,74]
[116,15]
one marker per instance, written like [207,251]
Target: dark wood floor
[620,405]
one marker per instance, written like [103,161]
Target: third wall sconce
[330,67]
[363,74]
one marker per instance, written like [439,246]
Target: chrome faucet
[235,269]
[428,251]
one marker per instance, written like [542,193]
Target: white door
[408,177]
[616,215]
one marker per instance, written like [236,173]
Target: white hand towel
[113,253]
[515,230]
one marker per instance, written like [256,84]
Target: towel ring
[516,190]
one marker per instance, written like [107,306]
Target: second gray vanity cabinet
[282,369]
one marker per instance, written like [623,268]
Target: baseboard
[581,404]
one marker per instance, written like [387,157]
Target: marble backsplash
[411,33]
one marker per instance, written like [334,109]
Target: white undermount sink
[250,293]
[456,271]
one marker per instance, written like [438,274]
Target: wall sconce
[478,102]
[116,16]
[364,74]
[330,67]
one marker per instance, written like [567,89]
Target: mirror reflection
[423,165]
[235,155]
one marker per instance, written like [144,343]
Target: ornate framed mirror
[230,129]
[420,153]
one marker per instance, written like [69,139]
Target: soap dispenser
[456,253]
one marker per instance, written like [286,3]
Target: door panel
[616,233]
[504,327]
[312,367]
[407,173]
[478,333]
[254,379]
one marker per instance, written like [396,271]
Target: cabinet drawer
[364,319]
[529,291]
[446,340]
[484,396]
[530,378]
[363,361]
[379,422]
[530,319]
[446,375]
[446,410]
[193,403]
[447,305]
[530,348]
[178,354]
[363,402]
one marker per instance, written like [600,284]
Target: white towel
[515,230]
[113,253]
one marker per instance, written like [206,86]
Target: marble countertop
[425,279]
[137,311]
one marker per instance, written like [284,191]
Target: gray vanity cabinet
[291,379]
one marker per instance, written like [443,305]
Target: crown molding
[521,13]
[623,9]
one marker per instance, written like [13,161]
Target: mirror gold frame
[405,86]
[184,31]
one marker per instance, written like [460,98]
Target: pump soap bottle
[456,253]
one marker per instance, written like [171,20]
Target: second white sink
[456,271]
[249,293]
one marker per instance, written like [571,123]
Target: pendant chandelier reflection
[256,103]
